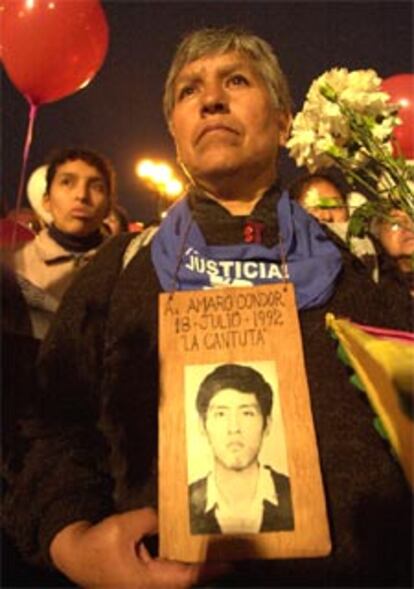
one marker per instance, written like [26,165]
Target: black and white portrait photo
[238,480]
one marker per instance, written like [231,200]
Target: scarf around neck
[75,243]
[184,261]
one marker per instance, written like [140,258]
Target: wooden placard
[258,328]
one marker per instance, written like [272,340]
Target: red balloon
[52,48]
[401,90]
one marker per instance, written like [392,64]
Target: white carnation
[321,125]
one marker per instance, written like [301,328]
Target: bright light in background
[174,188]
[144,169]
[159,176]
[162,173]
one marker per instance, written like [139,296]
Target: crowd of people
[80,342]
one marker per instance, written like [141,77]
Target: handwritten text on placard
[223,321]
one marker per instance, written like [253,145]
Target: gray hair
[210,41]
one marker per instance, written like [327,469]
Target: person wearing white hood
[78,196]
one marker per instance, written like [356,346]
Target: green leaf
[342,355]
[380,428]
[356,381]
[361,219]
[328,92]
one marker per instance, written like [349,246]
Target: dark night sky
[120,114]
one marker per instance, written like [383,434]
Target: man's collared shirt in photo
[231,521]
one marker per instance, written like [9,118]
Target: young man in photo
[240,495]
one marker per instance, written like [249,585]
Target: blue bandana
[183,260]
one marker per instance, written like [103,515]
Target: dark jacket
[275,517]
[94,442]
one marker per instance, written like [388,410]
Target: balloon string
[26,150]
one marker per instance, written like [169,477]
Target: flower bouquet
[347,122]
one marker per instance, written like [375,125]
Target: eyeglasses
[400,225]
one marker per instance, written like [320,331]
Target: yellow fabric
[385,368]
